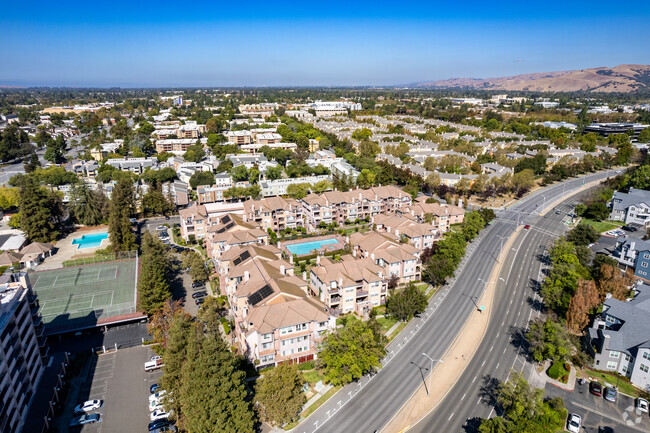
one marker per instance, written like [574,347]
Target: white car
[574,423]
[642,405]
[158,414]
[88,406]
[157,396]
[155,405]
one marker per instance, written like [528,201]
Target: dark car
[198,295]
[199,301]
[163,422]
[197,284]
[154,388]
[610,394]
[596,388]
[605,430]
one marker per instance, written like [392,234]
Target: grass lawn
[387,322]
[313,407]
[397,331]
[380,309]
[602,226]
[624,385]
[312,376]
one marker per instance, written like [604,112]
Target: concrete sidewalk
[454,361]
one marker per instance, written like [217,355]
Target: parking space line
[604,415]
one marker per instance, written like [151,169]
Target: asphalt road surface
[369,404]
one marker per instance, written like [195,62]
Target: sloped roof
[266,318]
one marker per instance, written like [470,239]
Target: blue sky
[337,43]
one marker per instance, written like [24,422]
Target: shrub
[556,370]
[565,378]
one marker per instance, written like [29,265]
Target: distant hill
[622,78]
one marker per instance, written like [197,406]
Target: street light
[500,249]
[431,370]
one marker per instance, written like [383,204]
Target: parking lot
[598,412]
[119,379]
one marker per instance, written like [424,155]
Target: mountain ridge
[626,78]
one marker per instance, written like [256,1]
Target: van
[153,365]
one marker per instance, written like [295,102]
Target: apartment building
[401,260]
[239,137]
[338,206]
[634,253]
[350,285]
[134,165]
[404,227]
[632,207]
[214,193]
[289,332]
[196,219]
[255,147]
[21,343]
[264,110]
[104,149]
[177,146]
[441,216]
[268,138]
[279,186]
[620,337]
[178,191]
[230,230]
[275,213]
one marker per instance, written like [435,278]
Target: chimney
[318,259]
[372,256]
[282,271]
[247,275]
[347,239]
[365,253]
[340,281]
[291,259]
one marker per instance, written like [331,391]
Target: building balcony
[362,293]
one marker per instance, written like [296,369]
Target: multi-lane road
[369,404]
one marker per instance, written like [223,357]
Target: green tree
[405,303]
[39,211]
[239,173]
[194,153]
[153,284]
[350,352]
[279,393]
[180,331]
[273,173]
[84,206]
[213,396]
[322,186]
[199,178]
[644,135]
[473,223]
[548,340]
[597,210]
[298,190]
[121,210]
[641,177]
[32,163]
[583,234]
[9,198]
[195,263]
[362,134]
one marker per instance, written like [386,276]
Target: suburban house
[634,253]
[620,337]
[632,207]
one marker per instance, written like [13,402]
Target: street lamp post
[431,370]
[500,249]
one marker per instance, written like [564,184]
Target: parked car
[153,365]
[88,406]
[642,405]
[610,394]
[161,228]
[158,395]
[89,418]
[197,284]
[199,301]
[163,422]
[155,405]
[605,429]
[156,357]
[197,295]
[557,212]
[596,388]
[167,428]
[154,388]
[158,414]
[574,423]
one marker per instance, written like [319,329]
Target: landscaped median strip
[457,357]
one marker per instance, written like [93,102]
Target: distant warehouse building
[607,129]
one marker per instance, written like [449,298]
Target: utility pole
[430,370]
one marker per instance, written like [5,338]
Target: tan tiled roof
[267,318]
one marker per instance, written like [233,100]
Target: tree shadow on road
[472,425]
[518,339]
[488,389]
[535,304]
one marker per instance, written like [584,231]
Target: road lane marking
[463,397]
[452,414]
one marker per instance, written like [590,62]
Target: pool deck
[66,250]
[329,247]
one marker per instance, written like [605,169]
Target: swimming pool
[306,247]
[90,241]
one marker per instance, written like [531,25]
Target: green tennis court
[77,297]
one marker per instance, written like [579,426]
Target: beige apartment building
[386,250]
[240,137]
[275,213]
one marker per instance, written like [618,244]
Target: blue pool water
[306,247]
[90,241]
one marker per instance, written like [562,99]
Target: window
[614,354]
[646,355]
[266,346]
[322,324]
[349,299]
[611,365]
[646,255]
[644,264]
[643,368]
[610,319]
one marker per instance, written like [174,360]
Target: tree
[473,223]
[644,135]
[273,173]
[321,186]
[548,340]
[39,211]
[55,176]
[583,301]
[597,210]
[239,173]
[404,304]
[641,177]
[279,393]
[199,178]
[9,198]
[160,322]
[598,262]
[153,284]
[298,190]
[362,134]
[521,182]
[583,234]
[613,281]
[181,330]
[84,206]
[194,153]
[350,352]
[194,261]
[33,163]
[212,394]
[121,210]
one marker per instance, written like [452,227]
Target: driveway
[598,412]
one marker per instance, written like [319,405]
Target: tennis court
[77,297]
